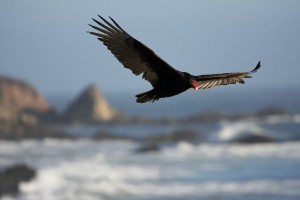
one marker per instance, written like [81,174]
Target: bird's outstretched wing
[211,80]
[131,53]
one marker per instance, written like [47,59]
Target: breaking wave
[232,130]
[278,128]
[86,169]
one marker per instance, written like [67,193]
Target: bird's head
[192,81]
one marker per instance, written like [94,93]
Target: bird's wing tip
[256,68]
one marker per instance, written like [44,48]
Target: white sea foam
[287,187]
[231,130]
[86,169]
[185,150]
[52,185]
[90,176]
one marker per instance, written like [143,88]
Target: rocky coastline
[26,114]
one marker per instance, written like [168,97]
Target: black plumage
[140,59]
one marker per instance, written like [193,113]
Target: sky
[46,43]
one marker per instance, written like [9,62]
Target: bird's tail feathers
[146,97]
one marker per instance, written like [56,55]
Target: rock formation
[27,127]
[17,96]
[19,100]
[254,138]
[22,109]
[11,177]
[176,136]
[148,148]
[90,106]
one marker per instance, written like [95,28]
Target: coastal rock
[18,126]
[271,111]
[89,107]
[176,136]
[252,139]
[11,130]
[11,177]
[148,147]
[18,96]
[23,112]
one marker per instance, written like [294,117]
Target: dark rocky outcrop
[148,147]
[252,139]
[271,111]
[11,177]
[20,132]
[27,126]
[89,107]
[176,136]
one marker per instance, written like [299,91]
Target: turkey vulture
[140,59]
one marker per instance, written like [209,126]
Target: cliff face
[21,110]
[90,106]
[17,96]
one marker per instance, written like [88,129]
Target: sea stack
[89,107]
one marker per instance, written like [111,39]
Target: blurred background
[70,127]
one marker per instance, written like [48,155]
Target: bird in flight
[140,59]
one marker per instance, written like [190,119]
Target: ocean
[214,169]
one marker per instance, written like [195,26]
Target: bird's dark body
[140,59]
[165,88]
[170,82]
